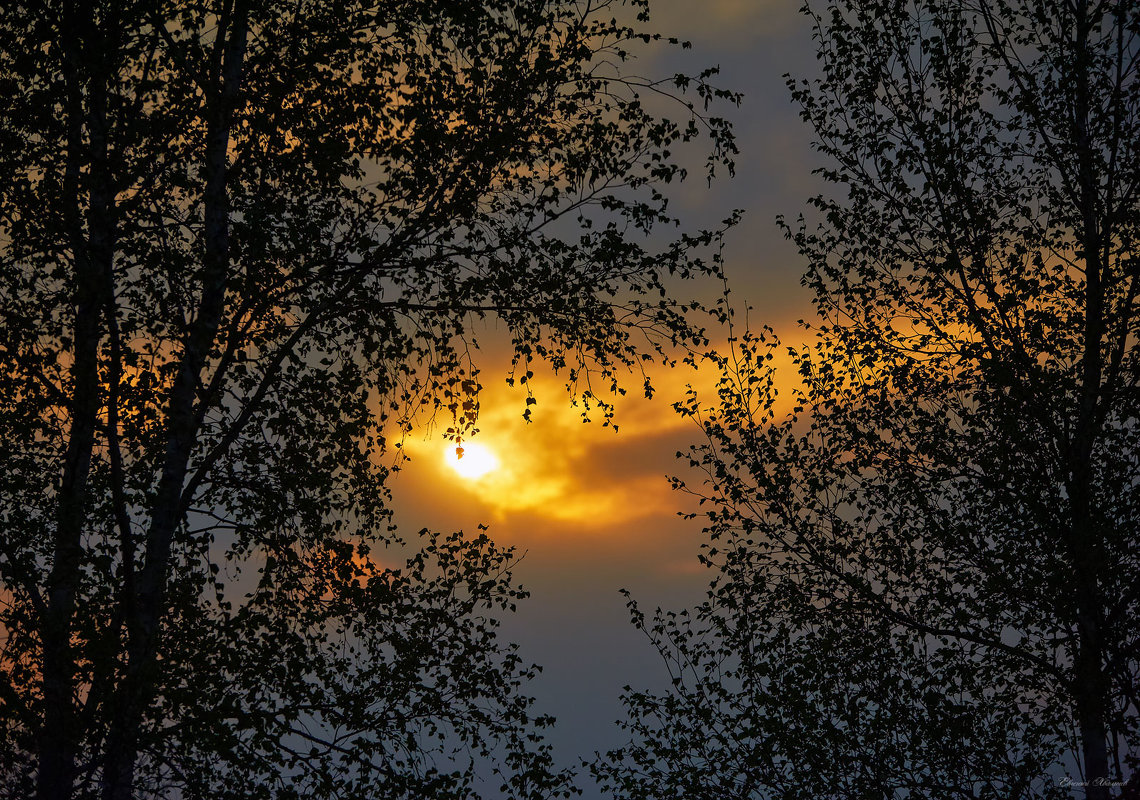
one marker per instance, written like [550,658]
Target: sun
[475,461]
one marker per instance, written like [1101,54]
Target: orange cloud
[559,468]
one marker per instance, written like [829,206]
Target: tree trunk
[139,683]
[92,251]
[1085,546]
[1089,695]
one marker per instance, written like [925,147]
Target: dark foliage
[926,575]
[243,243]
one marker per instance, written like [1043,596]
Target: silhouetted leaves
[925,574]
[244,245]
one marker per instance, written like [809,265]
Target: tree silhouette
[243,244]
[925,576]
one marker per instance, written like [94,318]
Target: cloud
[559,468]
[731,22]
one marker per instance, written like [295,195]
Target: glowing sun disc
[477,460]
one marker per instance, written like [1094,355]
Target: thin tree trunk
[1085,545]
[92,251]
[144,628]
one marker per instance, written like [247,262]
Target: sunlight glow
[556,467]
[472,461]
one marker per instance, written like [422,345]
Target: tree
[243,246]
[925,575]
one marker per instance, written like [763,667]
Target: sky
[591,508]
